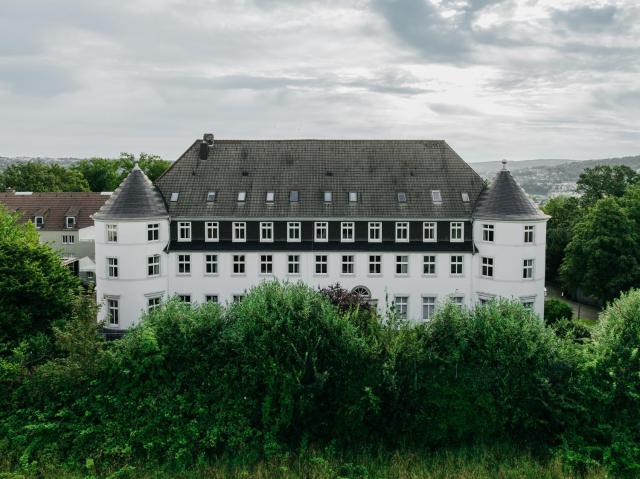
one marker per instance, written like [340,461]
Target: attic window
[402,197]
[328,197]
[271,196]
[294,196]
[174,197]
[242,196]
[211,196]
[69,221]
[353,197]
[436,196]
[39,221]
[465,197]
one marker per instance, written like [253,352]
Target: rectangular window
[153,265]
[266,264]
[487,267]
[39,220]
[266,232]
[428,307]
[429,231]
[239,231]
[211,298]
[436,197]
[70,221]
[528,305]
[401,306]
[184,264]
[375,264]
[529,233]
[211,196]
[328,196]
[112,233]
[347,232]
[211,264]
[527,269]
[112,267]
[348,266]
[487,233]
[321,231]
[402,264]
[153,232]
[456,265]
[153,303]
[68,239]
[457,231]
[429,265]
[238,264]
[185,298]
[321,264]
[375,232]
[242,196]
[294,196]
[113,311]
[293,264]
[457,300]
[238,297]
[353,196]
[293,232]
[402,232]
[212,231]
[184,231]
[271,197]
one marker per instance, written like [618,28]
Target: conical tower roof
[506,200]
[135,198]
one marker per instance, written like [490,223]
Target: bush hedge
[284,370]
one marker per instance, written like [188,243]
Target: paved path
[581,310]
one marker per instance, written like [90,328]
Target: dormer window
[436,197]
[174,197]
[294,196]
[39,221]
[242,196]
[271,196]
[211,196]
[353,197]
[328,196]
[69,221]
[402,197]
[465,197]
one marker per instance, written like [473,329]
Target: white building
[404,222]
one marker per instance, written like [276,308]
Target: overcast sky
[516,79]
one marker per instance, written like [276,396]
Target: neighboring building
[402,222]
[64,221]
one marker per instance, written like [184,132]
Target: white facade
[134,290]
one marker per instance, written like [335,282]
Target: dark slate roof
[505,199]
[135,198]
[376,169]
[53,207]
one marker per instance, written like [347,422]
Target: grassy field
[471,463]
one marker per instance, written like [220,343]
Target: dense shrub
[556,310]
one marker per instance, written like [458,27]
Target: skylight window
[436,196]
[242,196]
[328,196]
[465,196]
[294,196]
[271,196]
[353,196]
[174,196]
[402,197]
[211,196]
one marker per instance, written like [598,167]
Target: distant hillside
[545,177]
[6,160]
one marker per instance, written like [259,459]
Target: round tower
[509,232]
[132,231]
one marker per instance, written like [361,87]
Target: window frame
[429,226]
[266,226]
[532,232]
[293,262]
[151,306]
[266,263]
[327,196]
[347,226]
[69,225]
[152,266]
[38,221]
[112,233]
[67,237]
[400,263]
[184,227]
[374,226]
[374,262]
[212,298]
[488,233]
[432,264]
[240,261]
[237,227]
[487,265]
[184,262]
[452,263]
[110,308]
[321,226]
[153,232]
[530,268]
[211,264]
[405,305]
[112,267]
[209,228]
[456,226]
[319,261]
[429,304]
[294,226]
[402,226]
[350,264]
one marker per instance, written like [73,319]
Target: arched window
[362,291]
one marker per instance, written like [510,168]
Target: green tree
[603,256]
[556,310]
[603,180]
[39,176]
[564,212]
[35,287]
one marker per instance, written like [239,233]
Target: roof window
[174,196]
[436,196]
[465,196]
[211,196]
[402,197]
[70,221]
[353,196]
[271,196]
[294,196]
[242,196]
[39,221]
[328,196]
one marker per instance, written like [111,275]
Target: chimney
[204,150]
[208,137]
